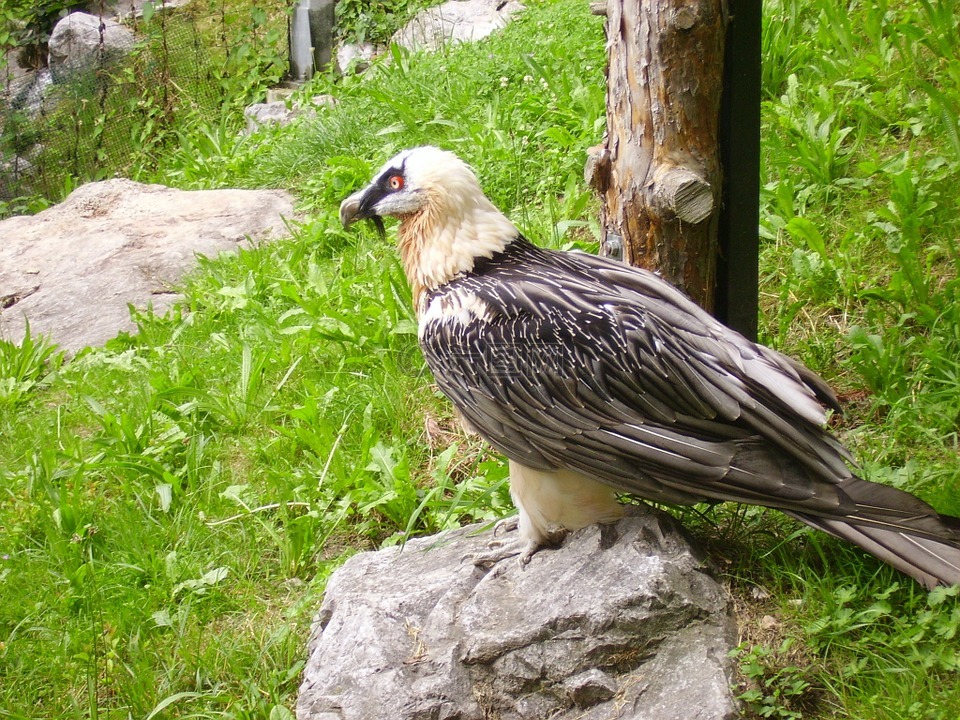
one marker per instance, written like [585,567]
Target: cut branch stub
[596,171]
[682,193]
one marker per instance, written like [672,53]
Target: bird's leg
[549,503]
[532,546]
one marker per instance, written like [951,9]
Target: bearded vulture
[597,379]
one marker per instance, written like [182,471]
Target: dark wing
[566,360]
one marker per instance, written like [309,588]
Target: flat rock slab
[620,622]
[72,269]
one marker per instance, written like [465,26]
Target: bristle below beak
[351,211]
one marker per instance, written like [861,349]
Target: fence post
[311,38]
[737,294]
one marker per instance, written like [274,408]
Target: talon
[488,559]
[506,525]
[530,549]
[473,557]
[523,549]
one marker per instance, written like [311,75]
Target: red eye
[395,182]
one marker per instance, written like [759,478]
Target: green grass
[171,505]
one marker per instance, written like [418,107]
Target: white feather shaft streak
[786,387]
[672,459]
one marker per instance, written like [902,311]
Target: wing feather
[580,363]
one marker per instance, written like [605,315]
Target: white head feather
[446,222]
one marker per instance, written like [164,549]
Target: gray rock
[324,101]
[283,112]
[28,92]
[355,57]
[621,621]
[80,42]
[455,21]
[33,98]
[12,74]
[259,115]
[590,688]
[72,269]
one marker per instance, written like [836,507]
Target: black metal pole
[737,296]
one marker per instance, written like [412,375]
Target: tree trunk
[658,171]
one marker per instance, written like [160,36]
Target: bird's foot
[529,549]
[506,525]
[493,559]
[498,550]
[523,550]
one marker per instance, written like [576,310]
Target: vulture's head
[446,222]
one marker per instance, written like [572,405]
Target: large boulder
[455,21]
[72,270]
[621,621]
[81,42]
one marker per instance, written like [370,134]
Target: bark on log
[659,171]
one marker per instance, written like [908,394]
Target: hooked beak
[350,209]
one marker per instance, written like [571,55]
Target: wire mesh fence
[91,92]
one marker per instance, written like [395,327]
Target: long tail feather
[930,561]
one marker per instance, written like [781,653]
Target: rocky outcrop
[72,269]
[120,9]
[455,21]
[619,622]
